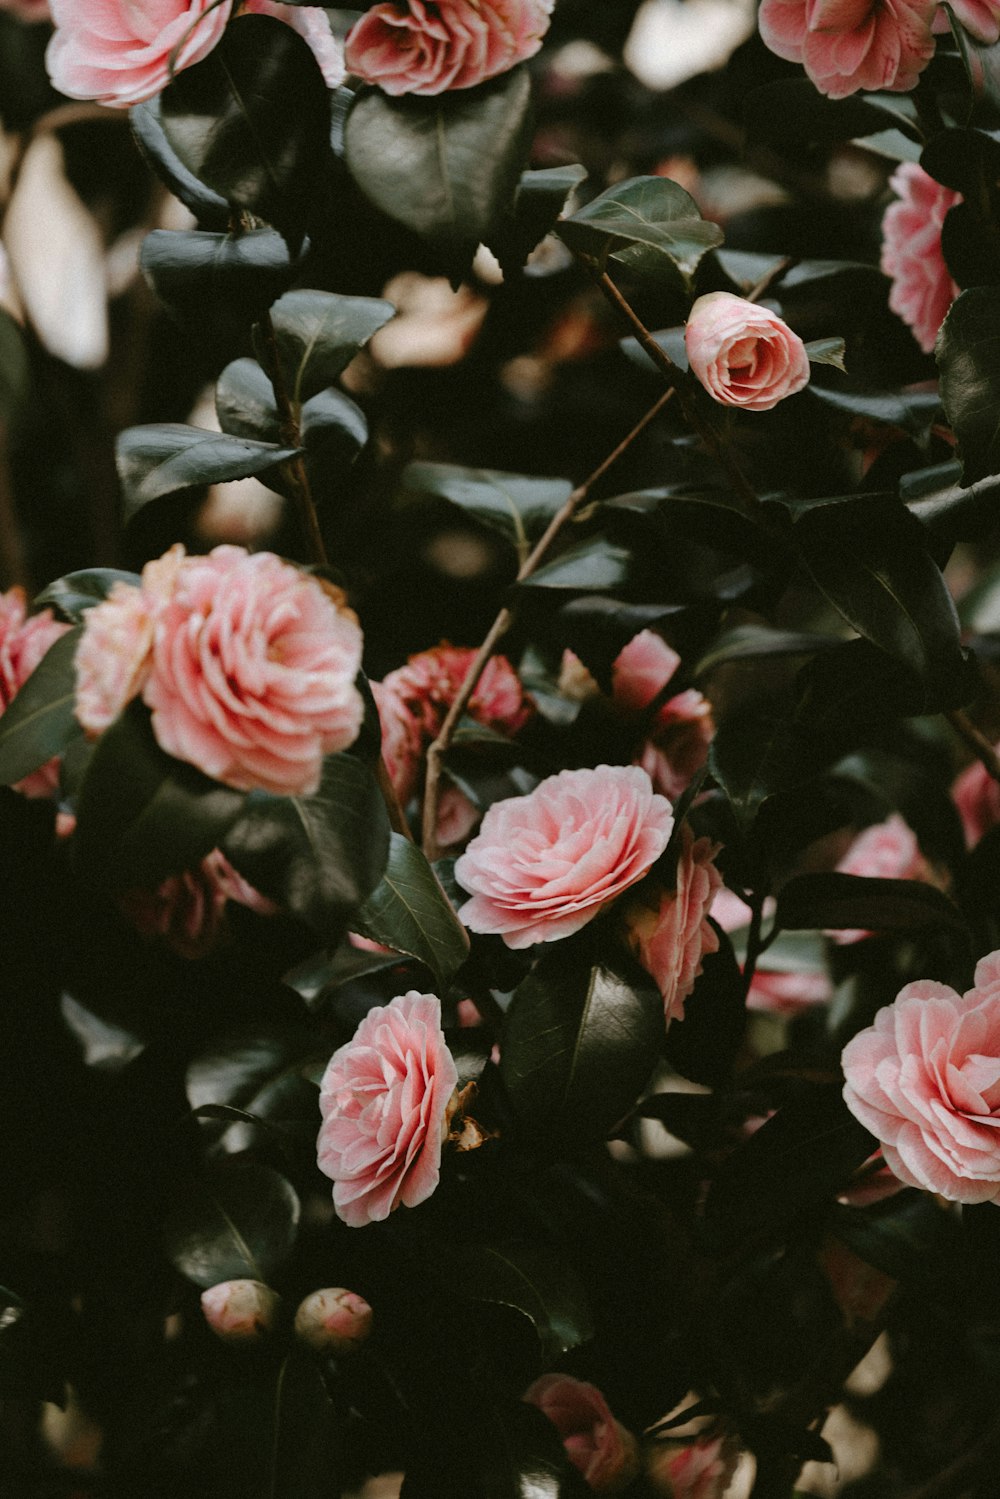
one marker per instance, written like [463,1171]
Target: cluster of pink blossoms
[24,641]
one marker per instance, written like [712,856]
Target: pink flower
[846,45]
[922,288]
[310,21]
[384,1100]
[773,990]
[678,744]
[977,796]
[545,864]
[119,52]
[240,1311]
[672,938]
[642,669]
[742,354]
[457,816]
[334,1321]
[402,739]
[925,1079]
[885,851]
[253,671]
[596,1444]
[424,48]
[702,1470]
[23,643]
[187,910]
[979,17]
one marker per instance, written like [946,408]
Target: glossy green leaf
[594,565]
[652,211]
[72,595]
[968,356]
[827,351]
[946,507]
[160,460]
[409,911]
[534,1281]
[211,210]
[517,506]
[238,1221]
[709,517]
[914,411]
[540,199]
[41,720]
[192,270]
[317,334]
[759,751]
[446,167]
[754,642]
[258,1072]
[847,901]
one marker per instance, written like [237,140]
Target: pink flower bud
[334,1320]
[240,1311]
[742,354]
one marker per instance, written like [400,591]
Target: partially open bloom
[925,1079]
[384,1101]
[187,910]
[545,864]
[846,45]
[421,48]
[922,288]
[977,796]
[672,938]
[240,1311]
[742,354]
[334,1320]
[24,641]
[119,53]
[598,1445]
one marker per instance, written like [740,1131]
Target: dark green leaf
[914,411]
[968,355]
[912,1236]
[410,912]
[703,1047]
[838,901]
[446,167]
[757,752]
[941,503]
[530,1278]
[652,211]
[980,59]
[709,517]
[792,118]
[580,1041]
[302,1451]
[41,720]
[540,199]
[964,160]
[517,506]
[191,270]
[519,1454]
[237,1222]
[752,642]
[317,334]
[827,351]
[160,460]
[259,1073]
[595,565]
[74,594]
[147,126]
[252,121]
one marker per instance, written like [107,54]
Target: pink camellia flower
[846,45]
[402,739]
[24,641]
[252,675]
[922,288]
[187,910]
[119,52]
[981,18]
[457,816]
[642,669]
[598,1445]
[334,1321]
[742,354]
[421,48]
[977,796]
[701,1470]
[925,1079]
[885,851]
[240,1311]
[310,21]
[384,1100]
[672,938]
[545,864]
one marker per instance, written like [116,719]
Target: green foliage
[154,462]
[237,1221]
[653,212]
[969,362]
[317,334]
[42,719]
[409,912]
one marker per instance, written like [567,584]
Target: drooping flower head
[922,288]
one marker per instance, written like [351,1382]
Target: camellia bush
[500,947]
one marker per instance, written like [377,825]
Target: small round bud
[240,1311]
[333,1320]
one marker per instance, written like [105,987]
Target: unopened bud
[240,1311]
[333,1320]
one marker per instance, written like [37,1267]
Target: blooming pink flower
[253,671]
[846,45]
[334,1320]
[742,354]
[240,1311]
[23,643]
[186,911]
[672,938]
[701,1470]
[424,48]
[119,52]
[384,1100]
[596,1444]
[979,17]
[885,851]
[922,288]
[925,1079]
[545,864]
[977,796]
[311,22]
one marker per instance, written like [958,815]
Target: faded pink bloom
[456,818]
[24,640]
[402,739]
[742,354]
[922,288]
[424,48]
[885,851]
[977,796]
[925,1079]
[253,672]
[384,1101]
[119,52]
[334,1321]
[981,18]
[240,1311]
[846,45]
[672,938]
[598,1445]
[545,864]
[186,911]
[701,1470]
[311,22]
[678,744]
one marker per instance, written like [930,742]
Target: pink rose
[334,1321]
[846,45]
[424,48]
[187,910]
[885,851]
[311,22]
[119,52]
[596,1444]
[979,17]
[672,938]
[742,354]
[253,670]
[24,641]
[925,1079]
[240,1311]
[702,1470]
[977,796]
[922,288]
[545,864]
[384,1101]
